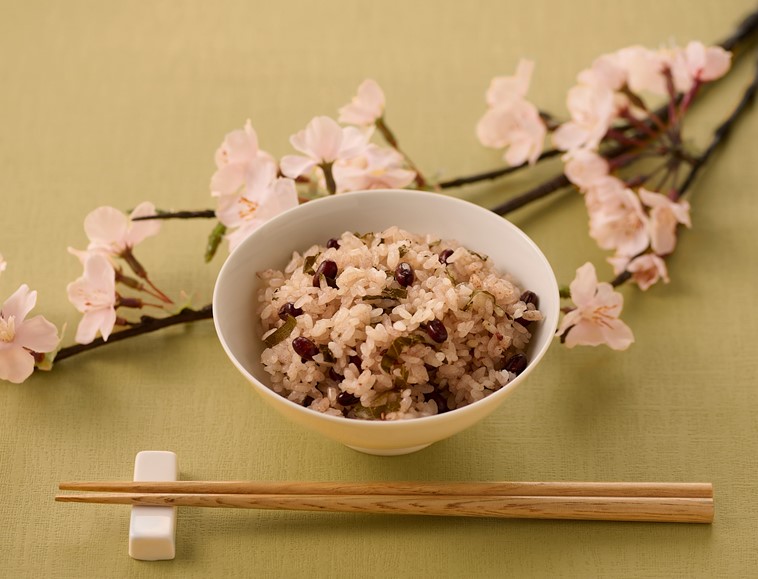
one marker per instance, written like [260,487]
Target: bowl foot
[389,451]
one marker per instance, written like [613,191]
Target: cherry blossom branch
[542,190]
[744,31]
[721,133]
[621,278]
[719,137]
[495,174]
[146,325]
[552,185]
[200,214]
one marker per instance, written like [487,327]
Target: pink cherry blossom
[584,168]
[665,216]
[595,320]
[516,126]
[111,232]
[606,71]
[512,122]
[265,197]
[366,107]
[646,269]
[698,63]
[592,108]
[620,223]
[505,89]
[3,263]
[323,141]
[602,193]
[233,160]
[20,338]
[377,168]
[94,294]
[644,69]
[238,146]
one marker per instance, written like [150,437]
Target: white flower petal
[19,304]
[101,320]
[295,165]
[106,228]
[584,285]
[569,136]
[584,333]
[37,334]
[239,146]
[138,231]
[261,173]
[323,139]
[617,335]
[366,107]
[504,89]
[16,364]
[228,180]
[99,272]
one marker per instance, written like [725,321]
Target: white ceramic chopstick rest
[152,530]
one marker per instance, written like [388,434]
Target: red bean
[289,309]
[346,399]
[404,274]
[516,364]
[355,360]
[328,270]
[437,331]
[445,255]
[529,297]
[333,244]
[305,348]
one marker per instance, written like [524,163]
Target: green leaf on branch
[214,240]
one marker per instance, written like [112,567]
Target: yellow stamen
[248,208]
[7,329]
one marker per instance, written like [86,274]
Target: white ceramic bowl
[272,244]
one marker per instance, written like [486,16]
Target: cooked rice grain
[481,309]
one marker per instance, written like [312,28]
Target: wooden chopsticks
[652,502]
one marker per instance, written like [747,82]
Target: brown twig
[490,175]
[146,325]
[201,214]
[743,32]
[721,133]
[542,190]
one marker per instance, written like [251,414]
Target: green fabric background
[118,102]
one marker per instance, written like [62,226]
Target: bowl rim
[341,421]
